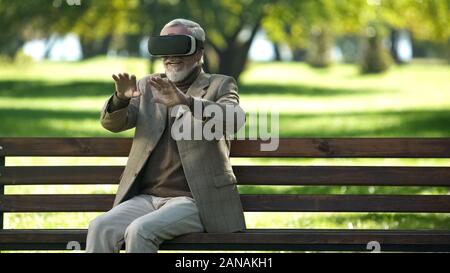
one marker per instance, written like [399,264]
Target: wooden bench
[252,239]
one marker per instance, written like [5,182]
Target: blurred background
[331,68]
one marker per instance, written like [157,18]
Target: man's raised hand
[126,87]
[166,92]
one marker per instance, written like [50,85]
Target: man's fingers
[172,84]
[115,78]
[136,93]
[150,81]
[121,77]
[153,83]
[126,76]
[133,81]
[161,82]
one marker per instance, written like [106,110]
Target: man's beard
[175,75]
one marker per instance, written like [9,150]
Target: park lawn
[64,99]
[60,99]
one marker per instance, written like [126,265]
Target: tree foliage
[230,25]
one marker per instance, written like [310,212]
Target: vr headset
[173,45]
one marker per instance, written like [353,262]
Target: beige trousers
[143,223]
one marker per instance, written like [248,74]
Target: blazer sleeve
[121,119]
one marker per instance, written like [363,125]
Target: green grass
[64,99]
[59,99]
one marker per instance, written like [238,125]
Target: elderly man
[170,186]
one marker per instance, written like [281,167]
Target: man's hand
[126,87]
[167,93]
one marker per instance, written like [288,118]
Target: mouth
[173,62]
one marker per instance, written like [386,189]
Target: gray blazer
[206,163]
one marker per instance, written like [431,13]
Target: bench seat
[251,239]
[276,239]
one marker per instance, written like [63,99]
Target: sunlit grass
[413,100]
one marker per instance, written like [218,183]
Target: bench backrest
[246,175]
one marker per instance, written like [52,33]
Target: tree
[313,24]
[22,21]
[425,19]
[231,26]
[375,56]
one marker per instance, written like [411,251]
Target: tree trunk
[375,57]
[11,45]
[394,40]
[299,55]
[151,65]
[49,46]
[277,52]
[232,60]
[132,44]
[447,51]
[319,49]
[94,48]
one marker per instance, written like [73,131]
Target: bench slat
[65,146]
[288,147]
[60,175]
[251,239]
[246,175]
[250,202]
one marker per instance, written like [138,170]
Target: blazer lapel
[161,114]
[197,89]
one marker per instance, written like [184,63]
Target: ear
[199,54]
